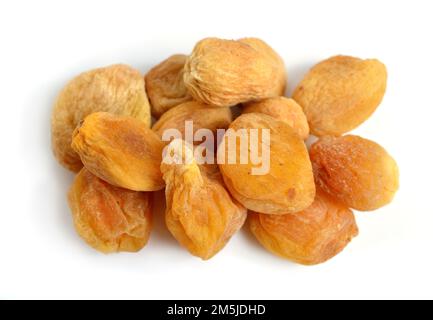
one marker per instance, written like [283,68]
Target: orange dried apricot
[340,93]
[308,237]
[358,172]
[202,116]
[227,72]
[108,218]
[200,213]
[284,180]
[283,109]
[120,150]
[165,86]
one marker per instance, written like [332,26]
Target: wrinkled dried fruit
[108,218]
[264,48]
[288,185]
[120,150]
[283,109]
[358,172]
[203,117]
[340,93]
[165,86]
[309,237]
[200,213]
[117,89]
[227,72]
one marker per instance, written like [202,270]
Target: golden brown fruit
[283,109]
[165,86]
[340,93]
[227,72]
[358,172]
[264,48]
[117,89]
[200,212]
[120,150]
[108,218]
[288,185]
[308,237]
[202,115]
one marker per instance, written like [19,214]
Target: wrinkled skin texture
[120,150]
[116,89]
[165,86]
[273,56]
[358,172]
[202,115]
[200,213]
[308,237]
[227,72]
[108,218]
[282,109]
[289,184]
[340,93]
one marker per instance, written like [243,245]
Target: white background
[45,43]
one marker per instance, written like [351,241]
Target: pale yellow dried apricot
[227,72]
[358,172]
[200,213]
[283,109]
[281,183]
[120,150]
[164,85]
[340,93]
[108,218]
[117,89]
[308,237]
[202,116]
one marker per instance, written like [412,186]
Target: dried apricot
[283,109]
[308,237]
[270,175]
[117,89]
[273,56]
[165,86]
[202,116]
[227,72]
[108,218]
[200,212]
[120,150]
[340,93]
[358,172]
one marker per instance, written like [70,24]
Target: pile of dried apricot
[220,167]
